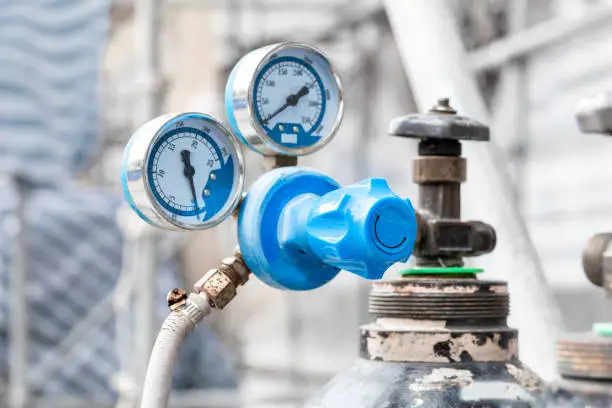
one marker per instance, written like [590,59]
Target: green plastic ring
[441,271]
[603,329]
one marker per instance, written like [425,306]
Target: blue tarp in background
[50,62]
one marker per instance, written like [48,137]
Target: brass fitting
[237,209]
[276,161]
[220,284]
[176,297]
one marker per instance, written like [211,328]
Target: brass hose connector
[219,285]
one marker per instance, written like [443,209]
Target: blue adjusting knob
[297,228]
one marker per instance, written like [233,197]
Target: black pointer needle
[189,172]
[292,100]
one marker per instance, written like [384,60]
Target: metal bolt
[176,297]
[213,176]
[281,127]
[443,106]
[206,193]
[235,268]
[296,129]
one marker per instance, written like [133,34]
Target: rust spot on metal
[176,297]
[219,288]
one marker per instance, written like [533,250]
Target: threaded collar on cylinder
[440,299]
[585,356]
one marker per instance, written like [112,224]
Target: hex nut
[218,287]
[235,268]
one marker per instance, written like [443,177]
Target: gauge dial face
[194,172]
[297,98]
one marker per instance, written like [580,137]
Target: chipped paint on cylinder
[376,384]
[416,285]
[457,358]
[442,377]
[525,378]
[438,346]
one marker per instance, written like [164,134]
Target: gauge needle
[189,172]
[292,100]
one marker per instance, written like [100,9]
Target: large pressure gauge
[284,99]
[183,172]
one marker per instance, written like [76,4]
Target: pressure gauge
[183,172]
[284,99]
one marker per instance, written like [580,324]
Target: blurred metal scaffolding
[426,30]
[424,34]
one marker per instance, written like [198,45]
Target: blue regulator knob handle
[297,228]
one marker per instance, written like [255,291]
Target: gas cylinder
[584,360]
[439,336]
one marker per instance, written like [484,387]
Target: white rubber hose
[176,327]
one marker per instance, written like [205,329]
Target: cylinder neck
[427,320]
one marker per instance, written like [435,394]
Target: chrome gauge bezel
[240,100]
[136,178]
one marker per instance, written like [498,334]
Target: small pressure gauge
[183,172]
[284,99]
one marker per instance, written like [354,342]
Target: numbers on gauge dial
[183,163]
[289,97]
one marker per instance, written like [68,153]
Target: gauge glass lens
[297,98]
[193,171]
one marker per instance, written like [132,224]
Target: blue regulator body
[297,228]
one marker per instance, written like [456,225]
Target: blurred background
[83,284]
